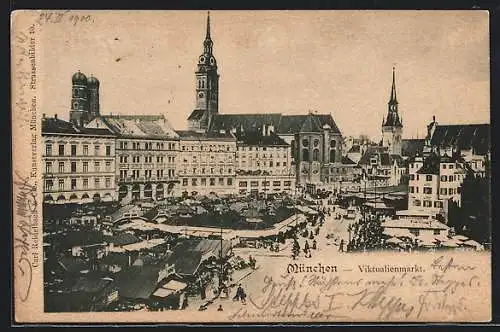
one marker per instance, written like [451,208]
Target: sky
[289,62]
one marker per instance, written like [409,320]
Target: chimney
[55,116]
[43,115]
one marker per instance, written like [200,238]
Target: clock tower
[207,87]
[392,124]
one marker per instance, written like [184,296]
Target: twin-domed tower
[207,87]
[392,124]
[84,99]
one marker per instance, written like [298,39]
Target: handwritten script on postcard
[435,287]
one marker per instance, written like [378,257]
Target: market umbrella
[475,244]
[394,240]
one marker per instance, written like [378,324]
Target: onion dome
[79,78]
[92,81]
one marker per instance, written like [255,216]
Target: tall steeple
[207,86]
[392,125]
[393,118]
[394,99]
[208,43]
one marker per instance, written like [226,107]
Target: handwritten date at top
[49,17]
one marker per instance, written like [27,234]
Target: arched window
[305,142]
[333,143]
[316,155]
[305,154]
[316,142]
[332,155]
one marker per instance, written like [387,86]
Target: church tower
[93,96]
[392,124]
[207,87]
[79,113]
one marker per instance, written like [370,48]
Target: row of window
[427,203]
[450,178]
[266,164]
[261,148]
[316,155]
[251,156]
[449,191]
[148,174]
[305,143]
[212,159]
[417,177]
[443,166]
[426,190]
[146,145]
[63,184]
[147,159]
[265,183]
[74,150]
[212,171]
[211,147]
[416,231]
[49,166]
[203,182]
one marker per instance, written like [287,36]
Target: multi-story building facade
[147,149]
[433,182]
[79,163]
[206,163]
[264,164]
[380,168]
[469,141]
[314,139]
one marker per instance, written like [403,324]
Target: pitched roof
[115,258]
[185,262]
[355,149]
[430,165]
[464,137]
[82,238]
[412,147]
[124,239]
[283,124]
[379,152]
[255,138]
[137,282]
[196,115]
[291,124]
[58,126]
[194,135]
[347,161]
[139,126]
[247,122]
[91,284]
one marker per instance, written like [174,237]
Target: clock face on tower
[202,59]
[212,60]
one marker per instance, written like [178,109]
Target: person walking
[341,246]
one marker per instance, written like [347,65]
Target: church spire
[208,26]
[208,44]
[394,99]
